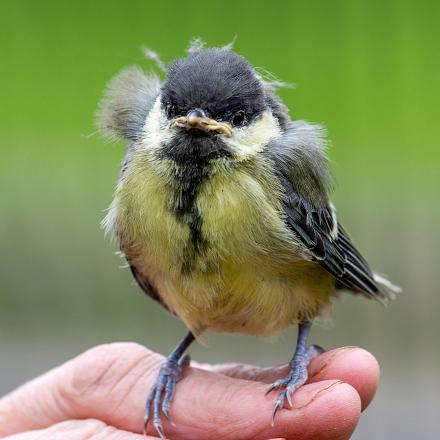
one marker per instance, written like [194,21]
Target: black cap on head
[216,80]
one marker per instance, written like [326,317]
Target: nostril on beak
[195,114]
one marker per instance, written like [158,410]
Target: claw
[162,392]
[160,397]
[158,427]
[273,387]
[169,393]
[289,393]
[166,412]
[148,408]
[278,384]
[296,377]
[157,406]
[278,405]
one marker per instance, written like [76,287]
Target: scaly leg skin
[161,394]
[297,375]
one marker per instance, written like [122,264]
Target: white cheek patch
[249,140]
[156,130]
[245,142]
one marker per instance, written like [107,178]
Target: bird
[222,209]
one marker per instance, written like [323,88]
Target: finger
[237,409]
[351,365]
[110,383]
[71,390]
[78,430]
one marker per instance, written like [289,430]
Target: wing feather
[310,215]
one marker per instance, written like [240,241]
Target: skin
[101,394]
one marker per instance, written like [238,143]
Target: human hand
[101,394]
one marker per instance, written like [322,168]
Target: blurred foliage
[367,70]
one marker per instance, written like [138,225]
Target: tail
[387,290]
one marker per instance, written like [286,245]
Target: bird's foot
[296,377]
[162,393]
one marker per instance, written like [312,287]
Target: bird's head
[213,104]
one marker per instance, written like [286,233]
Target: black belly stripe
[192,153]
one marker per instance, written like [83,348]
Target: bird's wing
[128,99]
[319,231]
[302,170]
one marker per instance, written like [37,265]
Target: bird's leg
[162,392]
[297,368]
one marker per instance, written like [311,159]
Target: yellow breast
[250,277]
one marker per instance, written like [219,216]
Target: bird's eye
[238,119]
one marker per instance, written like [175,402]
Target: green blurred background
[367,70]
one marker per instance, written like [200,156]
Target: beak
[197,119]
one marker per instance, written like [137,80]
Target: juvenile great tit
[222,209]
